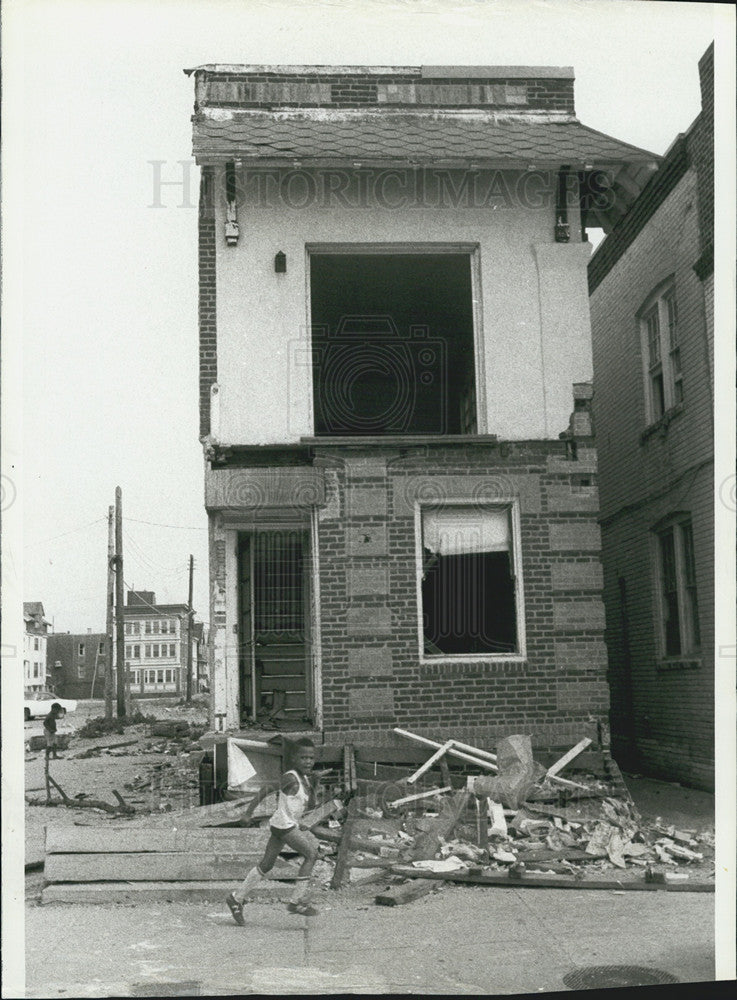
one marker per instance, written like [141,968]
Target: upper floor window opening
[661,352]
[393,348]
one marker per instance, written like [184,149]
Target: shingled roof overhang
[325,138]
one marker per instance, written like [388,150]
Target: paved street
[460,940]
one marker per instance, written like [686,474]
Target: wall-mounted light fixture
[231,206]
[280,263]
[562,229]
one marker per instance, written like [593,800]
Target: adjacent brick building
[76,664]
[652,310]
[395,368]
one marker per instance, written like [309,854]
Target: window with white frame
[35,644]
[80,651]
[80,671]
[470,585]
[680,633]
[661,352]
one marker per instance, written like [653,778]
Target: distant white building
[34,646]
[156,638]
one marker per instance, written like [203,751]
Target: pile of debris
[518,823]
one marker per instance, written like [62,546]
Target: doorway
[274,625]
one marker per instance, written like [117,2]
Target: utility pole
[109,618]
[119,620]
[189,631]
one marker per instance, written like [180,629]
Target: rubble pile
[520,823]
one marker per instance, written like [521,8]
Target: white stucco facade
[531,318]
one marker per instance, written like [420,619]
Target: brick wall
[662,719]
[207,296]
[373,679]
[358,90]
[701,148]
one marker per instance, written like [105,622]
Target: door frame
[312,662]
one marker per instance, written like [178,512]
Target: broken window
[392,344]
[469,586]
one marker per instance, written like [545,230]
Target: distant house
[200,658]
[76,664]
[35,637]
[156,645]
[652,317]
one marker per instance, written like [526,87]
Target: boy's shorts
[50,740]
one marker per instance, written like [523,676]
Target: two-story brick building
[395,368]
[652,314]
[77,664]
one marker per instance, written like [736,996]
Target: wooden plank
[568,757]
[420,795]
[150,892]
[427,843]
[148,867]
[92,840]
[552,881]
[317,816]
[429,762]
[474,751]
[197,815]
[486,764]
[344,847]
[496,816]
[400,894]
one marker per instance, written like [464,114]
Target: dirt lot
[153,774]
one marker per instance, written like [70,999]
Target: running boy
[296,796]
[50,729]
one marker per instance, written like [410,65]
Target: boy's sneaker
[236,910]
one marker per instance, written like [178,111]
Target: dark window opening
[468,584]
[671,618]
[392,344]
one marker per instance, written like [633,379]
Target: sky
[103,324]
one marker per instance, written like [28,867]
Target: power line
[157,524]
[63,534]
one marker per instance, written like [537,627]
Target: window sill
[660,427]
[472,658]
[667,664]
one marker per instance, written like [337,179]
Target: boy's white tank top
[290,808]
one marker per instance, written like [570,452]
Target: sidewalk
[459,941]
